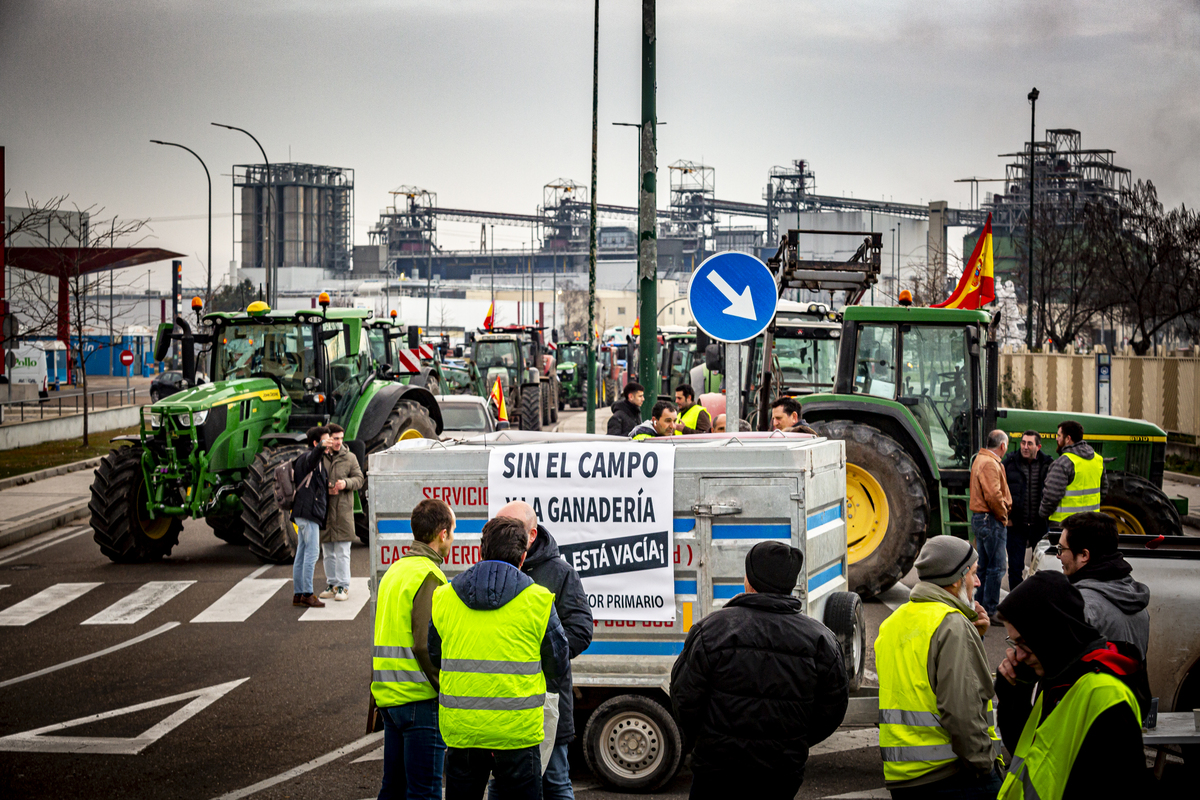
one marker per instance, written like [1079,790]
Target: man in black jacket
[1052,644]
[757,684]
[627,413]
[544,564]
[308,512]
[1026,470]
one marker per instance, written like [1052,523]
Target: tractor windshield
[805,366]
[572,354]
[283,351]
[934,380]
[497,354]
[378,339]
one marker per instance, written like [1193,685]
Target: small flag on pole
[497,397]
[637,327]
[490,319]
[977,286]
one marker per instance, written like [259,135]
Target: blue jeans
[556,780]
[308,545]
[962,785]
[990,542]
[413,752]
[337,563]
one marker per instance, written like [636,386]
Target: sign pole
[733,387]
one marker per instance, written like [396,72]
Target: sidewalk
[576,421]
[44,505]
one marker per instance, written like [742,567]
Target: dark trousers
[723,786]
[412,752]
[1021,536]
[518,773]
[962,785]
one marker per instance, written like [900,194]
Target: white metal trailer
[729,494]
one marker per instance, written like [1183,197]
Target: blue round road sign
[732,297]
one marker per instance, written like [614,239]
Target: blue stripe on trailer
[685,587]
[724,591]
[405,525]
[825,576]
[684,524]
[752,532]
[633,648]
[823,517]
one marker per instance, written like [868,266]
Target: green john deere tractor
[914,394]
[571,363]
[210,451]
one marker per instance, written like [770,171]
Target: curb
[49,472]
[1191,521]
[1179,477]
[45,522]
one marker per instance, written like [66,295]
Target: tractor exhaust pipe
[187,350]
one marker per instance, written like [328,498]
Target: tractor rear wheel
[407,419]
[120,523]
[1139,507]
[268,528]
[544,391]
[531,407]
[887,506]
[610,391]
[555,394]
[228,529]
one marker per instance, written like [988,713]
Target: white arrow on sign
[36,740]
[740,305]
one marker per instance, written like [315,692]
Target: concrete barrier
[23,434]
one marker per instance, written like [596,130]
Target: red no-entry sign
[127,358]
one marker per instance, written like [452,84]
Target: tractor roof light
[906,298]
[323,299]
[197,304]
[392,314]
[258,309]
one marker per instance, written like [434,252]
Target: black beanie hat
[773,567]
[1048,613]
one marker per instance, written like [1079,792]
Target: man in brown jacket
[345,476]
[990,504]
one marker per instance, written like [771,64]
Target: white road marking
[848,739]
[321,761]
[343,610]
[144,600]
[374,755]
[894,597]
[11,554]
[870,794]
[42,603]
[5,585]
[247,596]
[36,740]
[81,659]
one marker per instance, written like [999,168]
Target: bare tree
[73,238]
[574,313]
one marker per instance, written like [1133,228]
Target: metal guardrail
[64,405]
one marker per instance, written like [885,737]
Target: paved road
[196,678]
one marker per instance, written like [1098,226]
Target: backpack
[285,488]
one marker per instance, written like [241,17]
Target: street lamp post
[268,228]
[208,289]
[593,341]
[1033,96]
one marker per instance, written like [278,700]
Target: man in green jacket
[936,732]
[345,477]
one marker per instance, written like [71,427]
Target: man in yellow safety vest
[499,645]
[404,682]
[936,732]
[1081,737]
[693,417]
[1075,481]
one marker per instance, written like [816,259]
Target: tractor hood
[220,393]
[567,365]
[1094,425]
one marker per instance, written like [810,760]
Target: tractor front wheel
[531,407]
[228,529]
[406,420]
[887,506]
[268,528]
[121,524]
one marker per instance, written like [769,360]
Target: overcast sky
[485,101]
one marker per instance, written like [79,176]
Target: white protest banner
[609,507]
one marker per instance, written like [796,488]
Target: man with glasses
[935,686]
[1081,736]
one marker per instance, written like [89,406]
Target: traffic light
[176,288]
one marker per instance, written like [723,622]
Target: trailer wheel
[844,616]
[269,531]
[230,530]
[120,523]
[531,407]
[1139,507]
[632,743]
[887,506]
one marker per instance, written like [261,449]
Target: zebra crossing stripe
[42,603]
[247,596]
[134,607]
[342,610]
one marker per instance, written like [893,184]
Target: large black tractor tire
[268,528]
[229,529]
[887,506]
[406,416]
[1140,507]
[610,391]
[531,407]
[545,393]
[632,743]
[120,523]
[555,394]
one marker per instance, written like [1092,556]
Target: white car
[464,416]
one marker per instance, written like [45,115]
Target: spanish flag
[637,327]
[490,319]
[497,397]
[977,286]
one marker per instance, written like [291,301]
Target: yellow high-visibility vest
[912,740]
[396,678]
[492,686]
[691,417]
[1045,752]
[1083,493]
